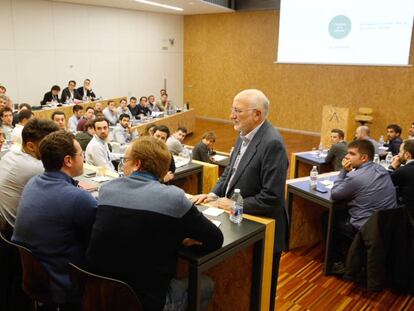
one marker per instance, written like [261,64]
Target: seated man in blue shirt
[55,217]
[123,132]
[140,226]
[365,187]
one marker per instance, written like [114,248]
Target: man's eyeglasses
[240,111]
[124,160]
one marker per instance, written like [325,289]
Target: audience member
[123,132]
[143,110]
[123,108]
[164,103]
[162,92]
[59,118]
[133,107]
[411,131]
[97,152]
[2,90]
[21,107]
[128,215]
[2,139]
[89,115]
[203,150]
[161,132]
[149,130]
[152,104]
[403,175]
[98,107]
[4,101]
[394,140]
[175,141]
[338,149]
[85,136]
[52,96]
[363,132]
[258,167]
[24,116]
[20,164]
[75,118]
[55,217]
[70,93]
[365,187]
[110,113]
[6,115]
[86,92]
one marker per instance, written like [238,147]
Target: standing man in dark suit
[70,93]
[85,91]
[258,167]
[403,175]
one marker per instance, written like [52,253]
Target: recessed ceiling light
[160,5]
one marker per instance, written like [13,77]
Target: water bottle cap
[236,190]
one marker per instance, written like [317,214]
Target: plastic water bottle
[313,178]
[376,159]
[236,211]
[381,141]
[388,159]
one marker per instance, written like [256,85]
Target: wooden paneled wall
[226,53]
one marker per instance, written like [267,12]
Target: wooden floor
[302,285]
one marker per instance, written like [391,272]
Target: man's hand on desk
[190,242]
[224,203]
[204,198]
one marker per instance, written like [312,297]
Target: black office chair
[382,252]
[101,293]
[12,296]
[35,279]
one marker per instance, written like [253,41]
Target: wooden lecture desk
[46,112]
[172,121]
[305,207]
[302,162]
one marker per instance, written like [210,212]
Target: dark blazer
[336,154]
[66,95]
[261,178]
[384,251]
[90,93]
[143,110]
[201,152]
[403,180]
[48,97]
[394,145]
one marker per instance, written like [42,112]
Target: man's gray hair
[257,100]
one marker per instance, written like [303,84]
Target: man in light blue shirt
[97,152]
[365,187]
[123,132]
[74,119]
[110,113]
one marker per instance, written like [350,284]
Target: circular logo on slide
[339,27]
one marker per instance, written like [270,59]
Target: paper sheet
[213,211]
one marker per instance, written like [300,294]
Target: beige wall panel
[225,53]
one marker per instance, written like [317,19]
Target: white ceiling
[191,7]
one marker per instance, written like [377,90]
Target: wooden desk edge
[270,227]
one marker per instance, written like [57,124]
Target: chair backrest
[36,280]
[101,293]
